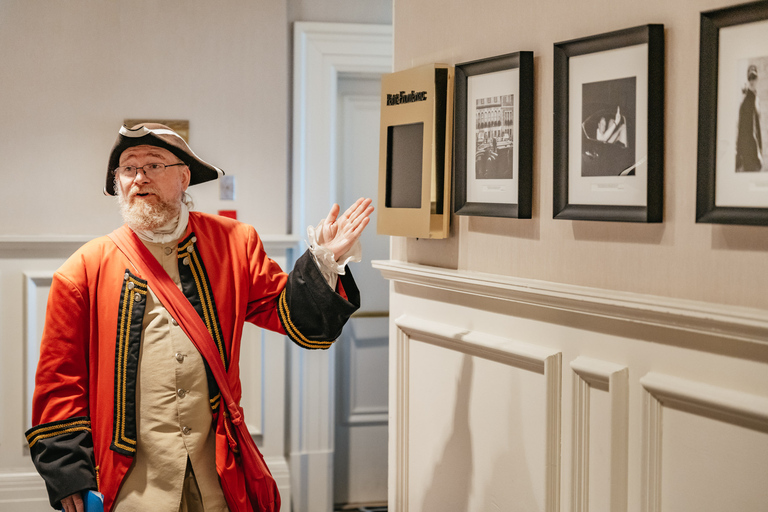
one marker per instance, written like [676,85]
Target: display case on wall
[415,152]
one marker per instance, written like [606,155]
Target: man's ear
[185,177]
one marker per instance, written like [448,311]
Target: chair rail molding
[748,325]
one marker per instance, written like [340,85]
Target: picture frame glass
[741,168]
[608,127]
[493,101]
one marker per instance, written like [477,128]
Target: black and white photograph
[751,126]
[608,157]
[493,136]
[732,185]
[608,128]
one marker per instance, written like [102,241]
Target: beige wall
[679,258]
[341,11]
[72,71]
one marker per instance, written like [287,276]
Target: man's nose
[141,176]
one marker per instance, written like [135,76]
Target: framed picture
[493,137]
[609,126]
[732,184]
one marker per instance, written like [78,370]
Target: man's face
[150,202]
[167,186]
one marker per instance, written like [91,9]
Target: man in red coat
[124,402]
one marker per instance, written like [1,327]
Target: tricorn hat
[159,135]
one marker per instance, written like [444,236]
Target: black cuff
[62,452]
[311,312]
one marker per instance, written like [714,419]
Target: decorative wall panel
[592,376]
[530,398]
[745,418]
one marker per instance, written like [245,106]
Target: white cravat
[170,232]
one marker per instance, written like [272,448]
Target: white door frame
[322,52]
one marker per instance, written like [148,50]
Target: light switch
[227,188]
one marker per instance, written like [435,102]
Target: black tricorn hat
[159,135]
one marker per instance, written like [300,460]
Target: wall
[73,71]
[341,11]
[542,365]
[678,258]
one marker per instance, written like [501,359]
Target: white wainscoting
[27,265]
[506,352]
[652,403]
[594,377]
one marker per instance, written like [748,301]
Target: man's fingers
[357,209]
[73,503]
[79,507]
[331,218]
[360,227]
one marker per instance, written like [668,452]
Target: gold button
[168,250]
[186,430]
[137,297]
[181,392]
[186,261]
[190,249]
[174,322]
[131,285]
[180,357]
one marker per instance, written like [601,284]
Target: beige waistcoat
[173,413]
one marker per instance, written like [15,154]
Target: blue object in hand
[92,501]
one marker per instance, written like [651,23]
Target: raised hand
[339,233]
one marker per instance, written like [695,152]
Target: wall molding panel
[589,374]
[508,352]
[34,303]
[697,398]
[358,407]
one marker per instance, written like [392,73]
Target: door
[361,358]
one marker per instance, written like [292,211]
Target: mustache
[142,190]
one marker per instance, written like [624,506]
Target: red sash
[241,450]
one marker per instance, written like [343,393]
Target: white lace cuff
[323,256]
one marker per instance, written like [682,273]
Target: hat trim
[143,131]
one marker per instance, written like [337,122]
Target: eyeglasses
[149,170]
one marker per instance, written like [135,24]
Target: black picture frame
[646,202]
[508,168]
[717,169]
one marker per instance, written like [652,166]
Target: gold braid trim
[293,332]
[57,430]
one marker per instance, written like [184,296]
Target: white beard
[144,216]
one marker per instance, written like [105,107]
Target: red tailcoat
[84,402]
